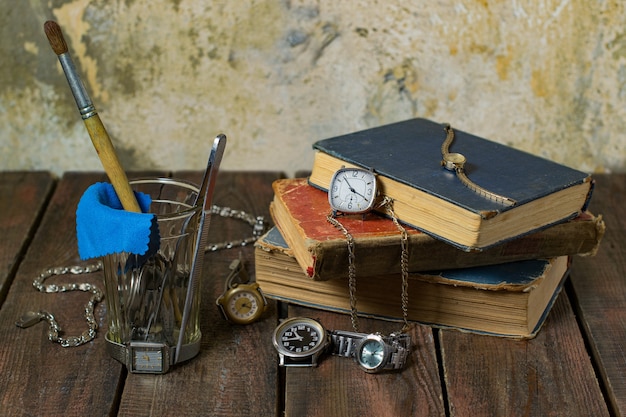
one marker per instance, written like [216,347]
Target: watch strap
[344,343]
[401,347]
[123,353]
[304,361]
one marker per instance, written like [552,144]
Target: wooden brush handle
[111,163]
[95,128]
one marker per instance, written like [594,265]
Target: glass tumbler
[146,294]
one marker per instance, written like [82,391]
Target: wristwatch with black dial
[300,341]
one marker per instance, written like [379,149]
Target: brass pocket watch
[242,302]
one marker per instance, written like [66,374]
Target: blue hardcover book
[510,300]
[406,156]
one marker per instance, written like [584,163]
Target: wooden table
[576,366]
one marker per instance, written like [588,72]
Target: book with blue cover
[406,156]
[509,300]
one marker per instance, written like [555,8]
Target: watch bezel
[358,353]
[300,356]
[366,209]
[135,348]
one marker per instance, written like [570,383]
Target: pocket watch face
[372,353]
[352,190]
[299,337]
[243,304]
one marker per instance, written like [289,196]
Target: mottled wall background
[546,76]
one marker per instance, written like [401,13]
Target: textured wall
[546,76]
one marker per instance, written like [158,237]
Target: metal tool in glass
[456,162]
[242,302]
[300,341]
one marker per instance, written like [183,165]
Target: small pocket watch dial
[243,303]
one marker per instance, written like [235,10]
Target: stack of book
[475,264]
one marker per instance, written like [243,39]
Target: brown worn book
[299,211]
[510,300]
[406,157]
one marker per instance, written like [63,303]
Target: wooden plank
[600,286]
[338,387]
[41,377]
[23,196]
[235,372]
[548,375]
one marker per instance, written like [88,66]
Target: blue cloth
[103,227]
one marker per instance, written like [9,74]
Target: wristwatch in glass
[300,341]
[149,357]
[373,352]
[352,191]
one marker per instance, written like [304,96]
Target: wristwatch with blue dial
[373,352]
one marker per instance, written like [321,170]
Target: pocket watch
[300,341]
[242,302]
[352,190]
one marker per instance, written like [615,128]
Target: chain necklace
[387,203]
[33,317]
[456,162]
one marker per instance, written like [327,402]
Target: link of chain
[387,203]
[354,318]
[33,317]
[404,261]
[256,222]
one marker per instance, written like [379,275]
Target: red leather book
[299,212]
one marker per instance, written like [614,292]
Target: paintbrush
[95,128]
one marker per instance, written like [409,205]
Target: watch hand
[298,338]
[354,190]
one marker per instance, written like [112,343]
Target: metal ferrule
[85,106]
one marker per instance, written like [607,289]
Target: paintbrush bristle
[55,37]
